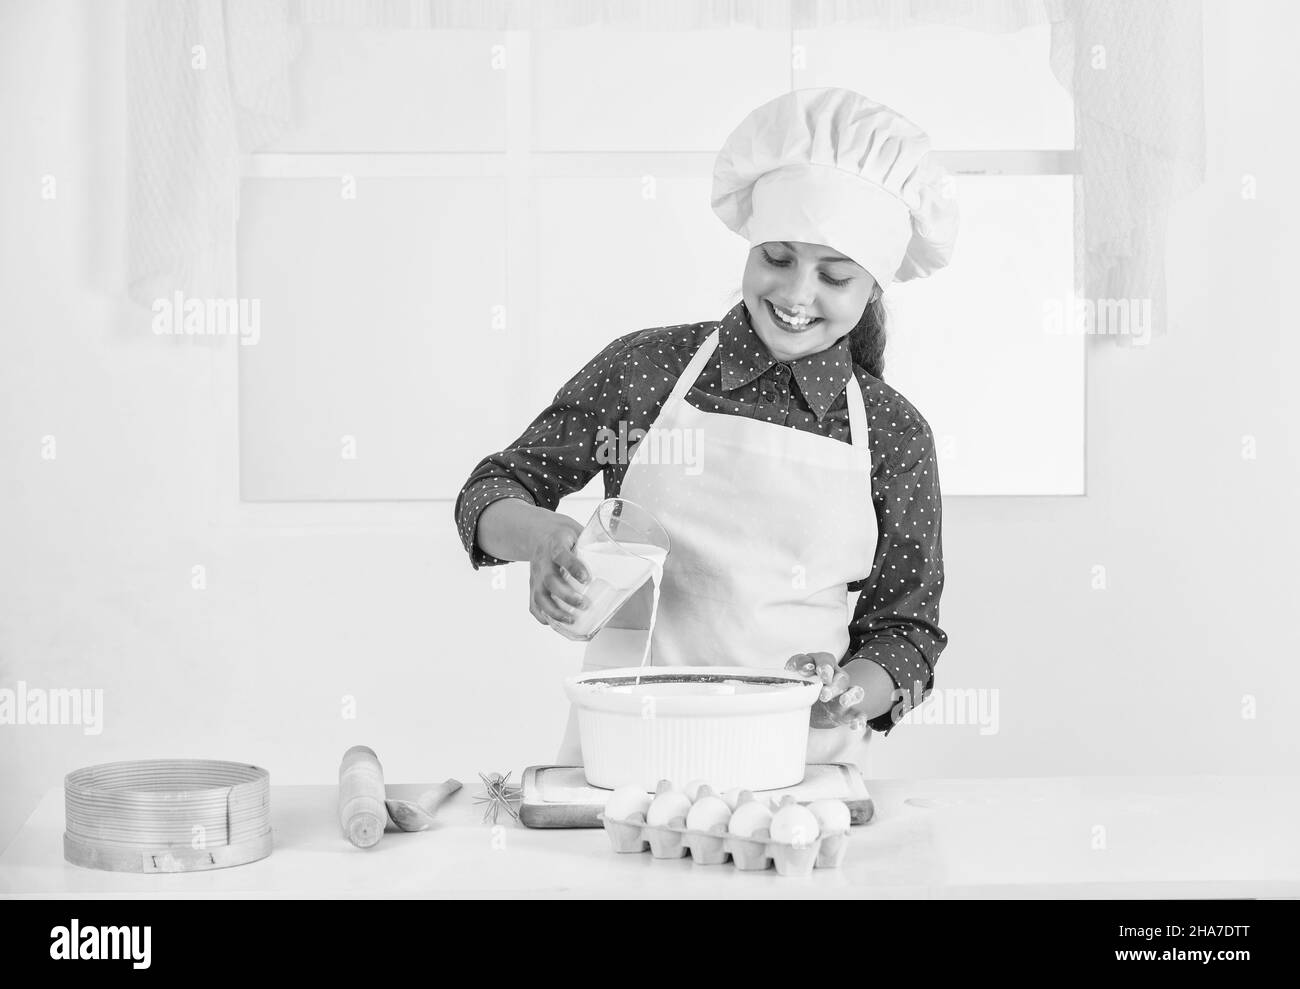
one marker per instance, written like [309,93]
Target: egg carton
[715,848]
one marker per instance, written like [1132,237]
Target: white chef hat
[829,166]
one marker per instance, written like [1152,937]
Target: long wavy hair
[867,339]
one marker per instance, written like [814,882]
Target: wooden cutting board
[560,797]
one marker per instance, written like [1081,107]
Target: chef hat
[829,166]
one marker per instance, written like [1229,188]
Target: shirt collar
[821,376]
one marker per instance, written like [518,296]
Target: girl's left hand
[836,705]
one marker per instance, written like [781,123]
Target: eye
[785,263]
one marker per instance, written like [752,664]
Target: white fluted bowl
[729,726]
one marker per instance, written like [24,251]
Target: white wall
[452,675]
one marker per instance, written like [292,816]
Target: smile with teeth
[792,320]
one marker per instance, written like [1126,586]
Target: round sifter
[167,815]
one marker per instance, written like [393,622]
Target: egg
[666,807]
[732,796]
[708,813]
[626,802]
[692,789]
[750,816]
[832,815]
[795,825]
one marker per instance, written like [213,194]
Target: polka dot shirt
[895,622]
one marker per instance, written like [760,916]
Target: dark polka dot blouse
[895,622]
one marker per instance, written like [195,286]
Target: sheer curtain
[1133,68]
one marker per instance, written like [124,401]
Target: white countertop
[1207,836]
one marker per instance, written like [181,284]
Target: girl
[817,479]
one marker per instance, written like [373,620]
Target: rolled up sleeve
[557,454]
[896,621]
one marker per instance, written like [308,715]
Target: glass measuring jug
[622,546]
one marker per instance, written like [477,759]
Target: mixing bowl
[729,726]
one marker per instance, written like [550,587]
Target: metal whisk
[500,794]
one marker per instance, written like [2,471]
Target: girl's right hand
[551,566]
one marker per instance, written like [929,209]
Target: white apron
[767,526]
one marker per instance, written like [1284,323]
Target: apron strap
[860,435]
[691,373]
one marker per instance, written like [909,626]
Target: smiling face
[809,280]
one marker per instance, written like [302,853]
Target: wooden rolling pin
[362,813]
